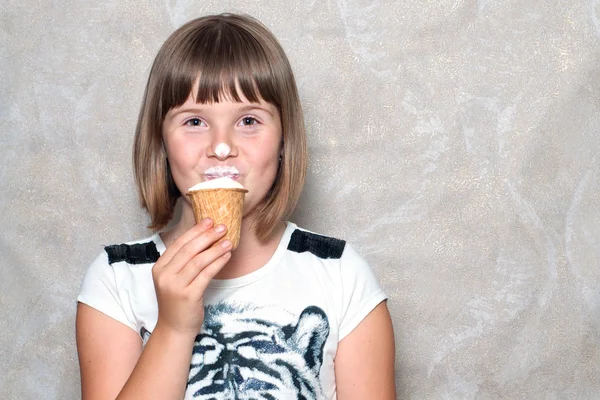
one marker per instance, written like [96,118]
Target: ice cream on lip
[220,171]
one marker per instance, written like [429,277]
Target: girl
[288,314]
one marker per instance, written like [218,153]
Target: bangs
[227,62]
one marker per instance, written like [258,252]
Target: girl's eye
[194,122]
[249,121]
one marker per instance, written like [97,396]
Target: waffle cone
[224,206]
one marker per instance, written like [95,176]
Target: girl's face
[239,140]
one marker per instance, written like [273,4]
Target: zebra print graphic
[241,355]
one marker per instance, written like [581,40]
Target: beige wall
[454,143]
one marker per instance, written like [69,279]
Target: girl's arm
[113,366]
[364,364]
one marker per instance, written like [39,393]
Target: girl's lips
[235,177]
[222,171]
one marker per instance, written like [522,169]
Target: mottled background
[453,142]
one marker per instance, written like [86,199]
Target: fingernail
[220,228]
[206,222]
[226,243]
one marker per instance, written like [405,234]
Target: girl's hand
[183,272]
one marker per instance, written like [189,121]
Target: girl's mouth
[234,177]
[221,171]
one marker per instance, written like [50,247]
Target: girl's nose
[222,151]
[221,144]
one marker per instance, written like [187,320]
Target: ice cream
[222,200]
[218,183]
[222,150]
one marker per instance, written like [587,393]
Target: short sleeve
[361,292]
[99,290]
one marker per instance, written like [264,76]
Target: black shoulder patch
[320,246]
[141,253]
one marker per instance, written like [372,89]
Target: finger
[201,281]
[190,234]
[194,247]
[182,240]
[189,272]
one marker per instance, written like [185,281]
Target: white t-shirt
[273,332]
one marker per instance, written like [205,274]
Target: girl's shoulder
[322,246]
[117,272]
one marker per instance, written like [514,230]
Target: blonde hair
[227,53]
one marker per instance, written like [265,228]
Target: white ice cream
[220,171]
[222,150]
[219,183]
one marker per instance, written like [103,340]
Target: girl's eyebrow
[191,110]
[242,108]
[255,106]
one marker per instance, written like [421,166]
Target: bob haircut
[225,53]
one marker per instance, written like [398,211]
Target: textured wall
[454,142]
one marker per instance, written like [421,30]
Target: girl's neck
[250,255]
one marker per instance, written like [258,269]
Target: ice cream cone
[223,206]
